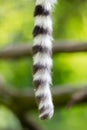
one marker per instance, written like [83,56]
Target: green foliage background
[70,23]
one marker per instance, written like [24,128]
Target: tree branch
[78,97]
[69,47]
[23,100]
[25,50]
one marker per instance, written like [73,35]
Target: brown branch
[69,47]
[25,50]
[24,100]
[16,51]
[78,97]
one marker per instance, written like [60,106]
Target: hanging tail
[42,61]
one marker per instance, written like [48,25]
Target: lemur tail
[42,61]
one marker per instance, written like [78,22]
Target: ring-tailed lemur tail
[42,51]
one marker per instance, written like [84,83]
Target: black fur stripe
[39,10]
[45,116]
[40,67]
[39,82]
[42,109]
[41,49]
[39,98]
[39,30]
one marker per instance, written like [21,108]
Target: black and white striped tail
[42,61]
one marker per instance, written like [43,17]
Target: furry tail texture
[42,61]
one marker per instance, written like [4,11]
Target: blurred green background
[70,23]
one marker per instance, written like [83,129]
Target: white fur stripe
[44,40]
[42,59]
[43,90]
[43,76]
